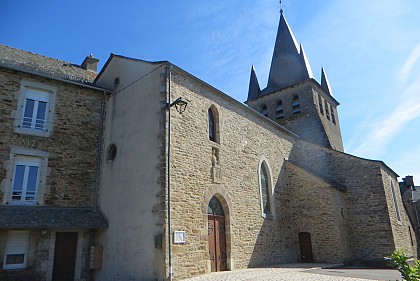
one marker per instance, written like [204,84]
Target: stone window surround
[216,115]
[79,250]
[264,162]
[17,114]
[6,184]
[395,201]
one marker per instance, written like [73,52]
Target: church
[161,176]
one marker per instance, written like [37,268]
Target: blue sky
[370,50]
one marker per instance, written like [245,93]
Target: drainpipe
[169,69]
[99,151]
[98,170]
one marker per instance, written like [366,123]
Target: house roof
[49,217]
[34,63]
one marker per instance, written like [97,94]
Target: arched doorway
[217,235]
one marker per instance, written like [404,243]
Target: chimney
[408,180]
[90,63]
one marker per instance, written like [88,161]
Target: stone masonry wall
[72,146]
[319,208]
[367,202]
[245,140]
[400,228]
[309,124]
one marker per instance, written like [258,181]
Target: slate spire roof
[289,64]
[325,85]
[254,86]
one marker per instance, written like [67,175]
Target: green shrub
[409,273]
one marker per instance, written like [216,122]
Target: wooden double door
[64,256]
[217,242]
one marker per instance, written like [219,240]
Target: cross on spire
[281,7]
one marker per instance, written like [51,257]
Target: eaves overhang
[29,217]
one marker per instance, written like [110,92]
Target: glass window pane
[40,116]
[27,115]
[215,207]
[15,258]
[212,133]
[265,190]
[32,178]
[18,180]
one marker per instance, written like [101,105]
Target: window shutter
[16,248]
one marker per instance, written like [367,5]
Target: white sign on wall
[179,237]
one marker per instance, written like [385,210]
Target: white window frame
[25,155]
[270,190]
[37,96]
[26,161]
[17,243]
[38,92]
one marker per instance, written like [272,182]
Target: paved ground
[301,272]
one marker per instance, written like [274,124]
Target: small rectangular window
[16,250]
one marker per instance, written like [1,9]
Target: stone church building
[149,172]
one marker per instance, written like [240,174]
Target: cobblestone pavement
[283,272]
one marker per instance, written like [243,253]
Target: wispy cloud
[407,109]
[408,65]
[408,164]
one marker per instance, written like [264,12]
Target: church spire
[289,64]
[325,85]
[254,87]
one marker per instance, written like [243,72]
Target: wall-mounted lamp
[180,105]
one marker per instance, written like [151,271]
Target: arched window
[265,190]
[215,207]
[279,110]
[264,110]
[213,124]
[295,104]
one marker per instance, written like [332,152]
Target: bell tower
[293,98]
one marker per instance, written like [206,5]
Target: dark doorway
[64,256]
[217,236]
[305,247]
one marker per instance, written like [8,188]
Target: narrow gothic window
[327,112]
[321,109]
[279,110]
[264,110]
[212,126]
[397,210]
[265,191]
[295,105]
[332,114]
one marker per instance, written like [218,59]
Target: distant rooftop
[27,61]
